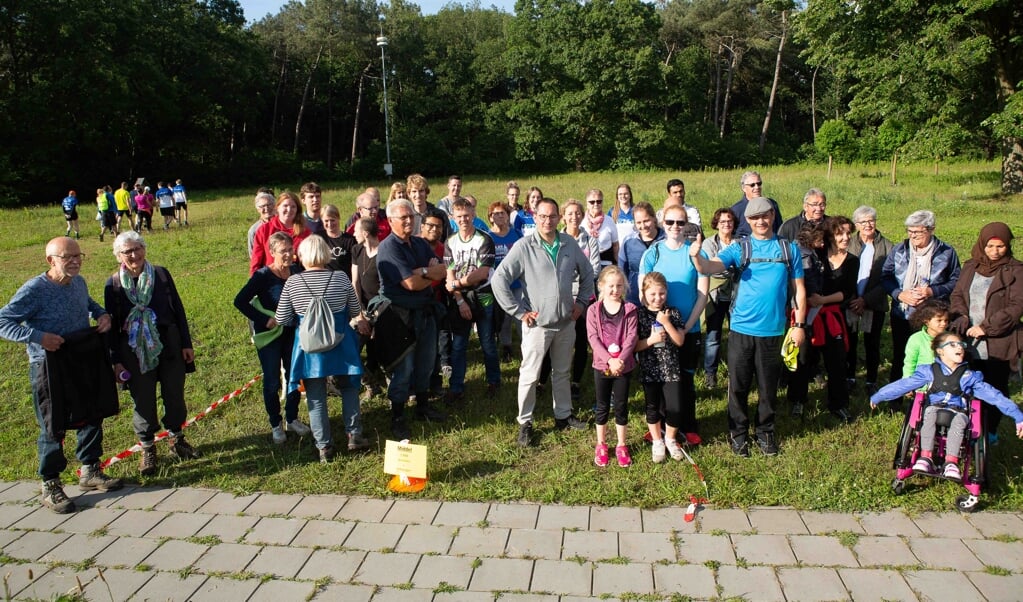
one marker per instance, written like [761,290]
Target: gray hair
[815,193]
[746,174]
[124,238]
[393,206]
[864,212]
[921,218]
[279,239]
[265,195]
[314,252]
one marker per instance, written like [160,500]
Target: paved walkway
[199,544]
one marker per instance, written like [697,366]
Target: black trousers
[750,357]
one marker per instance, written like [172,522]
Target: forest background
[98,91]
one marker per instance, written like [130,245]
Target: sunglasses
[674,222]
[960,344]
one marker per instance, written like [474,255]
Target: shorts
[71,215]
[181,205]
[124,212]
[110,219]
[167,211]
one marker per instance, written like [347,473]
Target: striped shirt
[300,289]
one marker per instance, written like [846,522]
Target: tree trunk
[277,98]
[358,111]
[830,163]
[895,164]
[774,84]
[1012,166]
[717,86]
[330,130]
[305,98]
[813,104]
[733,64]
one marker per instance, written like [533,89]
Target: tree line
[97,91]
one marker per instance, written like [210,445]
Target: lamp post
[382,43]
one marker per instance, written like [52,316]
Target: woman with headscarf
[986,306]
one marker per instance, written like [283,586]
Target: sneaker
[600,455]
[952,473]
[622,454]
[147,461]
[399,429]
[577,391]
[740,446]
[429,414]
[280,438]
[526,434]
[299,428]
[693,439]
[55,499]
[923,466]
[571,422]
[94,478]
[674,450]
[658,452]
[326,454]
[182,449]
[357,442]
[797,409]
[767,444]
[445,371]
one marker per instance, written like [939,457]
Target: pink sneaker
[600,455]
[624,459]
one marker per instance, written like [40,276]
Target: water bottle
[658,328]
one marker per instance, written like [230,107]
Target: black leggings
[606,387]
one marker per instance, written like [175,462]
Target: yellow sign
[405,458]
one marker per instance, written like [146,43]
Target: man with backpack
[766,271]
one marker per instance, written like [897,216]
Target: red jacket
[260,244]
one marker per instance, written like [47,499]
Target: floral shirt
[659,364]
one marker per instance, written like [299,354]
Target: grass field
[473,456]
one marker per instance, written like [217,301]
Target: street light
[382,43]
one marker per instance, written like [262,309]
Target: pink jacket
[629,336]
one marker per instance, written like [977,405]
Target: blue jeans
[271,358]
[52,461]
[412,374]
[319,413]
[712,338]
[484,319]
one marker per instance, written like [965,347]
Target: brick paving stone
[228,528]
[777,521]
[998,553]
[425,539]
[821,550]
[77,548]
[348,593]
[339,566]
[275,531]
[90,521]
[616,519]
[281,562]
[180,525]
[944,553]
[117,584]
[474,541]
[434,570]
[7,536]
[998,588]
[278,591]
[469,597]
[892,522]
[55,582]
[43,519]
[562,577]
[884,551]
[523,597]
[365,510]
[666,520]
[729,520]
[591,545]
[12,513]
[323,507]
[126,552]
[690,580]
[502,574]
[993,524]
[273,504]
[135,523]
[175,555]
[621,578]
[394,594]
[946,524]
[876,584]
[764,549]
[186,499]
[323,534]
[387,569]
[462,514]
[17,576]
[170,587]
[755,584]
[823,523]
[374,536]
[34,545]
[942,585]
[227,503]
[143,498]
[646,547]
[534,543]
[811,584]
[699,548]
[514,516]
[96,499]
[20,492]
[227,558]
[218,589]
[563,517]
[412,512]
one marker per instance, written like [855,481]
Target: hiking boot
[55,499]
[952,472]
[658,452]
[526,434]
[600,455]
[181,448]
[622,454]
[357,442]
[569,423]
[767,444]
[327,454]
[92,477]
[740,446]
[147,461]
[279,436]
[299,428]
[924,466]
[399,429]
[673,448]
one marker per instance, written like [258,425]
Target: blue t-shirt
[524,224]
[503,244]
[398,260]
[761,305]
[69,203]
[179,195]
[679,271]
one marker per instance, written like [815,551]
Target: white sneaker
[299,428]
[658,451]
[280,438]
[673,448]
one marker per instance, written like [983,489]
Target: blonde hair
[609,272]
[650,280]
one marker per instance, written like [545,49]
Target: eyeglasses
[917,232]
[402,217]
[264,207]
[498,213]
[754,184]
[960,344]
[675,222]
[595,202]
[815,205]
[864,222]
[132,251]
[377,208]
[430,226]
[722,222]
[546,218]
[74,257]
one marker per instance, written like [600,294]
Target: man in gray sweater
[547,263]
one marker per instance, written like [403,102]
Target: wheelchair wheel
[968,503]
[898,486]
[907,440]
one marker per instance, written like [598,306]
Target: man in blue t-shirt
[180,203]
[70,207]
[758,322]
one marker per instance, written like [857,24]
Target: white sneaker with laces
[952,472]
[673,448]
[658,451]
[299,428]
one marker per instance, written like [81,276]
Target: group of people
[125,209]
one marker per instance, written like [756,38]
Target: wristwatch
[425,272]
[799,325]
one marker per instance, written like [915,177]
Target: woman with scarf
[599,226]
[918,268]
[986,307]
[149,344]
